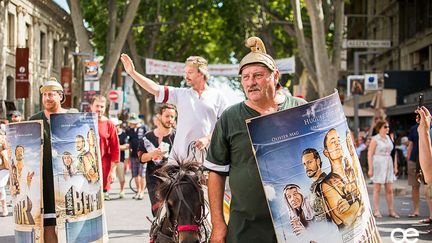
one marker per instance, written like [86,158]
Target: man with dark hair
[86,161]
[154,148]
[52,98]
[313,166]
[341,193]
[108,142]
[230,153]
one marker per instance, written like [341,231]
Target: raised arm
[425,150]
[146,83]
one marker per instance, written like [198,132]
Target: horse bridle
[156,234]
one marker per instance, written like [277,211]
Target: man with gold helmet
[230,153]
[198,107]
[52,98]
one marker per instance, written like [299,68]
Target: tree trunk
[322,63]
[80,31]
[305,50]
[142,96]
[111,28]
[114,53]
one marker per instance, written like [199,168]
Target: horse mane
[171,173]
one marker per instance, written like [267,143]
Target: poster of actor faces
[311,174]
[24,147]
[77,178]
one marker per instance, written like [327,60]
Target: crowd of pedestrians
[194,124]
[385,156]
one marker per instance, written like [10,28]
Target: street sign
[113,95]
[368,44]
[371,81]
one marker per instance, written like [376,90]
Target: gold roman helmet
[200,63]
[52,85]
[258,54]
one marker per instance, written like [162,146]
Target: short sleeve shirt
[151,138]
[197,115]
[122,140]
[230,153]
[413,136]
[135,136]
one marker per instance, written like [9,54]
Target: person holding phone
[418,132]
[425,149]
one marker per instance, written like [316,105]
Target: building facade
[47,30]
[405,65]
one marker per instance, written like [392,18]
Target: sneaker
[121,195]
[135,196]
[140,197]
[106,196]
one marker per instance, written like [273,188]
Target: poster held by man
[311,175]
[77,178]
[24,148]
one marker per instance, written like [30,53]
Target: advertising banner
[24,146]
[168,68]
[66,81]
[311,174]
[77,178]
[22,84]
[91,70]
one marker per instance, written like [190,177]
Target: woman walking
[382,168]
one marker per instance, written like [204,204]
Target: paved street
[127,222]
[126,218]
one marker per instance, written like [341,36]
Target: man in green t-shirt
[52,97]
[230,153]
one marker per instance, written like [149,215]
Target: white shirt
[197,116]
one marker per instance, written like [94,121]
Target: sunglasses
[386,126]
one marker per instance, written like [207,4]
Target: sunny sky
[63,4]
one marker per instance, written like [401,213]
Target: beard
[51,106]
[311,173]
[166,125]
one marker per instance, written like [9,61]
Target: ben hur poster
[77,178]
[24,147]
[311,174]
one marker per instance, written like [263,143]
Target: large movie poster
[311,174]
[78,178]
[24,147]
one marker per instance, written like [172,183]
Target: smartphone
[420,100]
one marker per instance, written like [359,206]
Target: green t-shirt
[230,153]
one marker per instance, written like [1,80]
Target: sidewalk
[400,187]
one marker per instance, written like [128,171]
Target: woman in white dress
[382,168]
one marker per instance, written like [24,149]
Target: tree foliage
[216,29]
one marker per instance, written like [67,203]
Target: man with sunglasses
[198,107]
[52,98]
[230,153]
